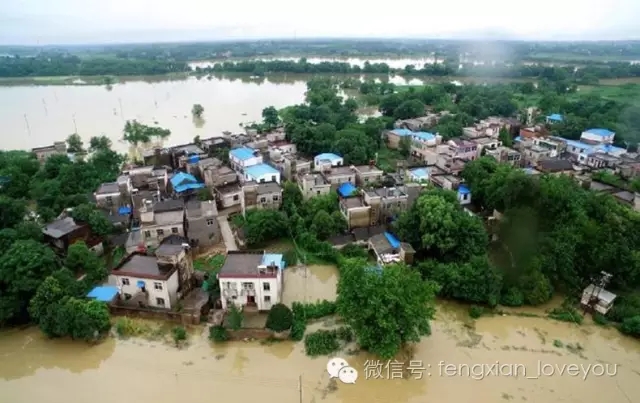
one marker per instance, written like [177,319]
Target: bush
[291,257]
[600,319]
[627,306]
[322,342]
[235,317]
[631,326]
[280,318]
[566,314]
[476,311]
[315,310]
[218,333]
[298,327]
[354,251]
[512,297]
[346,334]
[179,334]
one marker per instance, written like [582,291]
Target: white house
[244,157]
[261,173]
[325,159]
[603,136]
[600,299]
[251,280]
[464,195]
[139,277]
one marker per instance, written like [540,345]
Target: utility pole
[27,122]
[300,386]
[75,126]
[46,112]
[120,103]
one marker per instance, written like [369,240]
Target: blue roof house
[554,118]
[103,293]
[243,157]
[388,249]
[424,138]
[347,189]
[420,175]
[464,195]
[394,136]
[600,136]
[183,182]
[327,159]
[262,173]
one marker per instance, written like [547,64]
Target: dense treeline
[586,75]
[36,284]
[75,66]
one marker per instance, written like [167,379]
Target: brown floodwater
[34,369]
[310,283]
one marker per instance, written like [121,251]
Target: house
[261,196]
[276,135]
[141,198]
[388,249]
[464,195]
[356,212]
[148,177]
[368,174]
[43,153]
[220,175]
[486,143]
[228,195]
[327,159]
[261,173]
[598,136]
[419,175]
[63,232]
[251,280]
[600,160]
[506,155]
[186,154]
[554,145]
[597,297]
[335,176]
[277,149]
[160,220]
[395,136]
[420,123]
[450,165]
[555,166]
[554,118]
[243,157]
[201,227]
[236,139]
[291,166]
[535,153]
[159,281]
[183,184]
[347,189]
[422,142]
[463,149]
[261,145]
[385,204]
[581,151]
[448,182]
[109,196]
[313,184]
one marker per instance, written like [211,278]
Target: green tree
[197,110]
[270,116]
[12,211]
[75,144]
[97,221]
[505,137]
[235,317]
[264,225]
[322,225]
[405,146]
[386,310]
[280,318]
[99,143]
[409,109]
[135,132]
[49,292]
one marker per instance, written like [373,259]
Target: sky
[31,22]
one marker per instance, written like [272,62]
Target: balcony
[250,292]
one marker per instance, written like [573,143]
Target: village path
[227,234]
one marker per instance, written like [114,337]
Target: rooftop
[260,170]
[556,117]
[317,179]
[423,136]
[600,132]
[601,293]
[368,169]
[168,205]
[59,228]
[339,171]
[463,143]
[384,192]
[269,259]
[402,132]
[485,140]
[183,181]
[229,188]
[352,202]
[103,293]
[187,149]
[241,264]
[269,187]
[462,189]
[108,188]
[142,266]
[347,189]
[419,173]
[243,153]
[327,157]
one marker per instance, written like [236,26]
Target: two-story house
[487,143]
[336,176]
[65,231]
[278,149]
[312,184]
[148,178]
[110,196]
[251,281]
[184,184]
[292,166]
[261,196]
[506,155]
[243,157]
[219,176]
[202,226]
[395,136]
[368,174]
[160,220]
[43,153]
[321,161]
[598,136]
[463,149]
[261,173]
[423,142]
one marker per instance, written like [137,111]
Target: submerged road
[227,234]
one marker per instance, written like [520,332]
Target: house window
[349,179]
[247,286]
[109,200]
[273,178]
[234,297]
[266,286]
[209,221]
[275,198]
[160,232]
[174,230]
[125,281]
[157,286]
[262,180]
[267,298]
[160,301]
[263,200]
[235,197]
[318,192]
[147,234]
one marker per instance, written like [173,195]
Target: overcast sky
[92,21]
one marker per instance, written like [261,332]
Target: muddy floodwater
[454,359]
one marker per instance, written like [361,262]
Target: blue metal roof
[327,156]
[243,153]
[424,136]
[402,132]
[124,210]
[609,149]
[556,117]
[182,181]
[393,241]
[462,189]
[193,159]
[277,258]
[346,189]
[600,132]
[103,293]
[519,138]
[420,173]
[258,171]
[579,144]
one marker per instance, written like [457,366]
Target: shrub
[315,310]
[476,311]
[322,342]
[631,326]
[600,319]
[566,314]
[291,257]
[558,343]
[235,317]
[218,334]
[512,297]
[346,334]
[354,251]
[298,327]
[627,306]
[179,334]
[280,318]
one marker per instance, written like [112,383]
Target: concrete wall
[168,289]
[239,298]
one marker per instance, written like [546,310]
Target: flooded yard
[34,368]
[309,283]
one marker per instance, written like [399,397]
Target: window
[174,230]
[366,179]
[247,286]
[125,281]
[349,179]
[275,198]
[209,221]
[147,234]
[235,197]
[273,178]
[263,200]
[266,286]
[318,192]
[160,232]
[262,180]
[127,296]
[160,301]
[109,200]
[157,286]
[267,298]
[234,297]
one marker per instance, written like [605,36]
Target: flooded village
[184,260]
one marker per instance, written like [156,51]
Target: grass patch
[325,342]
[476,311]
[209,264]
[566,314]
[127,327]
